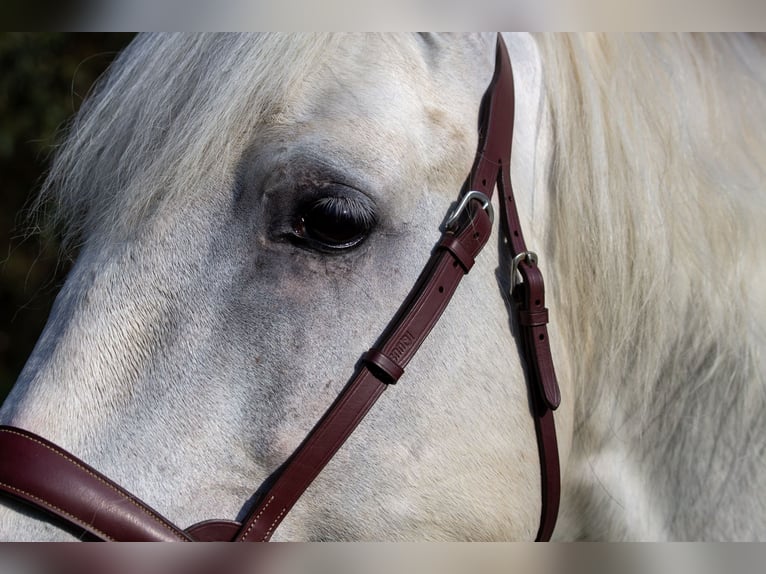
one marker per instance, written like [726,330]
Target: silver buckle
[486,205]
[528,256]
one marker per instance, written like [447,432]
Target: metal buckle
[530,257]
[486,205]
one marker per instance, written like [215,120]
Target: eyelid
[362,211]
[333,223]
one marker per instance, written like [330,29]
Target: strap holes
[441,289]
[537,302]
[541,337]
[484,182]
[476,235]
[454,263]
[509,197]
[515,232]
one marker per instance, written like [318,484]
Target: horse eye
[336,223]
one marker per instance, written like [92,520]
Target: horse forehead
[379,79]
[404,108]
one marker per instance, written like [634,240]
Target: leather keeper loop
[533,318]
[382,366]
[460,253]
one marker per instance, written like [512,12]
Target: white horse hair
[198,338]
[658,190]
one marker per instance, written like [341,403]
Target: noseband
[49,478]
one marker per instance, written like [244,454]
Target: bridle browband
[42,474]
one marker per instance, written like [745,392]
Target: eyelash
[333,223]
[360,211]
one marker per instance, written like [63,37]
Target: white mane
[181,104]
[658,208]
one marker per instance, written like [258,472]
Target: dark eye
[336,223]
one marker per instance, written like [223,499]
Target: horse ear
[473,47]
[439,40]
[428,38]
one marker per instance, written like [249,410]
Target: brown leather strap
[46,476]
[548,451]
[214,530]
[541,376]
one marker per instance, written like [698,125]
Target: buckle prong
[528,256]
[486,205]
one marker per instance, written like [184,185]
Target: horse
[250,211]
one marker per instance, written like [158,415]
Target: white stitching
[101,480]
[257,516]
[268,532]
[47,504]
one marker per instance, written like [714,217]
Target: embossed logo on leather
[402,346]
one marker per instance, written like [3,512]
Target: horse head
[251,212]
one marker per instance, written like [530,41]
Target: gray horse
[252,210]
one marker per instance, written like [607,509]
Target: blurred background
[44,78]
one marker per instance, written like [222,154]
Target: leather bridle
[49,478]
